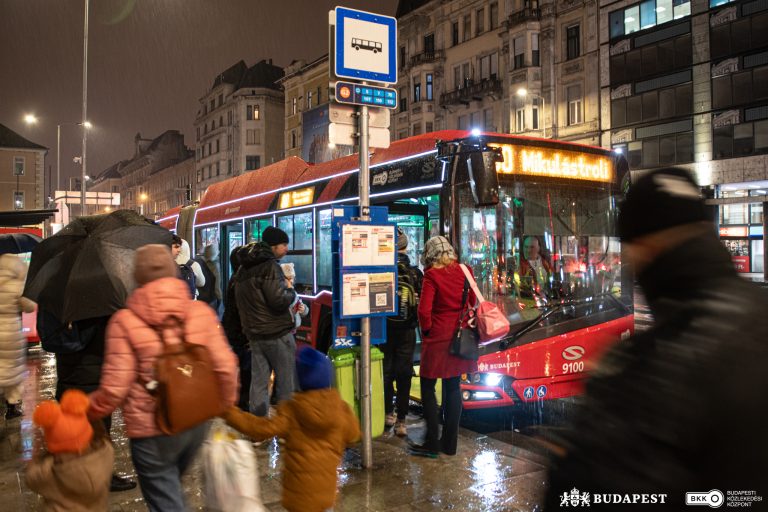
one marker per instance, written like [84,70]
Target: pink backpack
[491,322]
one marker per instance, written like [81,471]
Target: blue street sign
[528,393]
[541,391]
[366,46]
[356,94]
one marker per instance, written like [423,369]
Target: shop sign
[741,263]
[740,231]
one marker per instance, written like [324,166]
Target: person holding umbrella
[79,277]
[12,340]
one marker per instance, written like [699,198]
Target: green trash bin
[377,389]
[344,374]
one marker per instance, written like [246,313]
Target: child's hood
[319,409]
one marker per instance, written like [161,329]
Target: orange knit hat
[66,427]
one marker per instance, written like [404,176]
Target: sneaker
[419,450]
[390,420]
[400,429]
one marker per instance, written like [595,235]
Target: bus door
[413,219]
[231,237]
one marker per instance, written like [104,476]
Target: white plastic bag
[231,473]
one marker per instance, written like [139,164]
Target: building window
[198,133]
[480,21]
[294,105]
[535,57]
[229,166]
[218,148]
[221,120]
[740,140]
[429,86]
[416,88]
[208,172]
[575,105]
[213,104]
[213,124]
[520,120]
[18,199]
[249,112]
[518,57]
[664,150]
[252,162]
[221,99]
[416,129]
[402,57]
[319,99]
[573,41]
[454,33]
[429,44]
[309,100]
[535,117]
[293,139]
[229,141]
[18,165]
[462,123]
[403,99]
[428,126]
[209,149]
[218,168]
[250,137]
[457,77]
[488,120]
[402,134]
[467,76]
[467,29]
[488,65]
[647,14]
[199,176]
[229,118]
[652,105]
[493,22]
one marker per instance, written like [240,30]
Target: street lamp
[30,119]
[87,125]
[522,92]
[142,198]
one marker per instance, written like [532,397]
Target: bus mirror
[483,179]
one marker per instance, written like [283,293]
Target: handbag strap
[464,295]
[472,283]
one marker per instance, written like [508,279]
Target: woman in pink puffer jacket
[132,347]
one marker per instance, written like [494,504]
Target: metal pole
[365,323]
[765,245]
[85,108]
[58,159]
[543,110]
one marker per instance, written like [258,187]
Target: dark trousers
[81,370]
[398,369]
[446,442]
[243,353]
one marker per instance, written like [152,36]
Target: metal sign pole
[365,323]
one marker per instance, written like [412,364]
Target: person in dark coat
[680,407]
[263,300]
[440,310]
[230,321]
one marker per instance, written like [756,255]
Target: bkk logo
[582,499]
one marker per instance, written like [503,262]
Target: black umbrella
[86,269]
[16,243]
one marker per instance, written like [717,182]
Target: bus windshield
[546,244]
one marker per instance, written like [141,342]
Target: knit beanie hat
[659,200]
[66,427]
[435,248]
[313,368]
[288,270]
[274,236]
[402,240]
[153,261]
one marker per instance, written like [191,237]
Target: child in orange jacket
[317,426]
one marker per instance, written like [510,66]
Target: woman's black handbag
[464,343]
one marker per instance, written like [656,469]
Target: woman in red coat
[439,312]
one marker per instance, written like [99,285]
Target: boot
[121,483]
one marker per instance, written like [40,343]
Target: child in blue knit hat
[317,426]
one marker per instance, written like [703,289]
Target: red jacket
[133,345]
[439,307]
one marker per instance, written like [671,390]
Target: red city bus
[556,199]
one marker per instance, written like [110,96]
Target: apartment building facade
[22,167]
[508,66]
[685,82]
[239,125]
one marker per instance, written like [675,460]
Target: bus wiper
[552,308]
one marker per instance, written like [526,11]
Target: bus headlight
[493,379]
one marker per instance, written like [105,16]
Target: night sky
[149,62]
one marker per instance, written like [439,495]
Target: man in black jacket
[681,407]
[263,300]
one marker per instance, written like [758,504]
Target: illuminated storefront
[741,224]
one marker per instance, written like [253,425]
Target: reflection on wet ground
[486,474]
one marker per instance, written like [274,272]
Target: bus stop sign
[366,46]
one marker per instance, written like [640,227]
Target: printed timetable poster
[365,245]
[367,293]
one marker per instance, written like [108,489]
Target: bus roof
[168,220]
[252,193]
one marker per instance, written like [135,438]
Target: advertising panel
[314,141]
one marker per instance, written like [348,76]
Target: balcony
[426,57]
[472,91]
[523,15]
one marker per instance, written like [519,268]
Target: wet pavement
[486,474]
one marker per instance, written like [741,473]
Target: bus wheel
[375,50]
[357,47]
